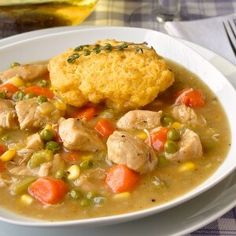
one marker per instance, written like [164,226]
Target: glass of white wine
[17,16]
[159,12]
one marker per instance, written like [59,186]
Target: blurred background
[199,21]
[18,16]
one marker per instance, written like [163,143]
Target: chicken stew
[59,162]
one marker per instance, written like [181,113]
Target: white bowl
[47,46]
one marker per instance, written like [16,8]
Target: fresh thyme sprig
[86,50]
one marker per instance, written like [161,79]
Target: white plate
[185,218]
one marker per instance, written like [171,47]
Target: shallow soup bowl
[46,46]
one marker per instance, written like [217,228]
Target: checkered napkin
[118,12]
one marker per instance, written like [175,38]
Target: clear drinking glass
[167,10]
[17,16]
[161,11]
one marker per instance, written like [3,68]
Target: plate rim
[45,32]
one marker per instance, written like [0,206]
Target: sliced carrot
[191,98]
[104,127]
[48,190]
[121,179]
[9,89]
[2,149]
[2,166]
[159,138]
[39,91]
[71,157]
[86,113]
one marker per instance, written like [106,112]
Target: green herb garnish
[86,50]
[81,47]
[73,57]
[14,64]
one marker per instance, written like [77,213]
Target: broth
[164,184]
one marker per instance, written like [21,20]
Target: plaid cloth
[118,13]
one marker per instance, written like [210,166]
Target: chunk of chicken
[90,180]
[187,115]
[22,170]
[122,148]
[33,115]
[6,180]
[8,118]
[140,119]
[34,142]
[77,136]
[44,169]
[26,72]
[190,147]
[25,153]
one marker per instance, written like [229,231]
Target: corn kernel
[74,172]
[8,155]
[16,80]
[121,196]
[176,125]
[142,135]
[26,199]
[46,108]
[86,157]
[49,127]
[188,166]
[60,105]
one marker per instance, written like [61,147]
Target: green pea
[14,64]
[85,202]
[29,95]
[43,83]
[75,194]
[162,161]
[58,167]
[108,113]
[86,164]
[173,134]
[41,99]
[53,146]
[167,120]
[22,186]
[170,147]
[47,135]
[3,95]
[208,143]
[40,157]
[18,96]
[60,174]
